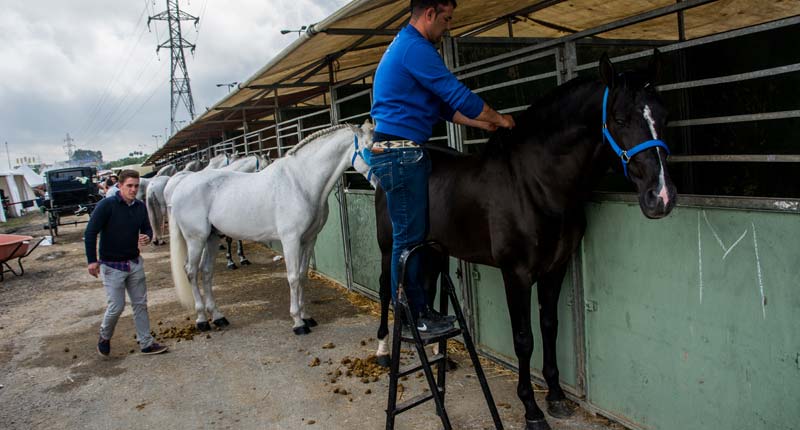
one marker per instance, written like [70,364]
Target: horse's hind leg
[217,317]
[301,301]
[549,288]
[293,256]
[240,251]
[518,297]
[382,355]
[228,254]
[194,253]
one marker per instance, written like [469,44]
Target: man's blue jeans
[403,175]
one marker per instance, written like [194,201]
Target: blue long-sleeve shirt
[119,226]
[413,89]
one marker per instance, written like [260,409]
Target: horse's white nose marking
[662,189]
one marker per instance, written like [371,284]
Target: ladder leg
[487,393]
[394,369]
[438,398]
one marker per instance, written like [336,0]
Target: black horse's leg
[518,297]
[240,251]
[228,255]
[548,289]
[382,356]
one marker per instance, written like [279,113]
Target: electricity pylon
[179,75]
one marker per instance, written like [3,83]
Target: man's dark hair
[109,182]
[418,6]
[125,174]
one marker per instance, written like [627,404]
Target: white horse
[248,164]
[157,202]
[220,160]
[288,201]
[167,170]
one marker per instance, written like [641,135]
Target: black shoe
[103,347]
[448,318]
[154,348]
[431,324]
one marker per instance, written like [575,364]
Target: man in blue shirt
[122,223]
[412,91]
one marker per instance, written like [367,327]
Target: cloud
[90,69]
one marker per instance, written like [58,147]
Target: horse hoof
[310,322]
[232,266]
[244,262]
[301,330]
[560,409]
[222,322]
[203,326]
[540,424]
[383,360]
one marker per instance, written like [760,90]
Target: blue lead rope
[626,155]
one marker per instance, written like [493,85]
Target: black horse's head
[635,115]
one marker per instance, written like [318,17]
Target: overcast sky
[89,67]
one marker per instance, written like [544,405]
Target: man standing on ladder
[413,90]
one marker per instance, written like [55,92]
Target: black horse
[520,205]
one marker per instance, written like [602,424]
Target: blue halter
[358,153]
[626,155]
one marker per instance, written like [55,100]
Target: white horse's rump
[288,201]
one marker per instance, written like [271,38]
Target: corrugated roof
[306,59]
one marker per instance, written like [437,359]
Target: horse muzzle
[657,202]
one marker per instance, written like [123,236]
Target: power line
[104,95]
[110,125]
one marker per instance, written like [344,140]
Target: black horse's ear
[654,68]
[607,73]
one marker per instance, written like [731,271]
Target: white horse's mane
[316,135]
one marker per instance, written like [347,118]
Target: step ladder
[412,335]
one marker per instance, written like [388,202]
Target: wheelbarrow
[15,246]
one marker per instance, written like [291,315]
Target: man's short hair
[125,174]
[418,6]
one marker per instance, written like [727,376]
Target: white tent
[17,190]
[34,179]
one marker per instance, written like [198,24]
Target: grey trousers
[116,282]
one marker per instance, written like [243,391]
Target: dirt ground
[255,374]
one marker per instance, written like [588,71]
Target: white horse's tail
[177,260]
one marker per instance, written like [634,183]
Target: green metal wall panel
[329,249]
[695,322]
[363,240]
[493,325]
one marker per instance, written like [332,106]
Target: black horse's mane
[544,115]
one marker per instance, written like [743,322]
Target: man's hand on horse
[144,239]
[506,121]
[94,269]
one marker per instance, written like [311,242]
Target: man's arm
[97,221]
[492,116]
[145,227]
[427,67]
[459,118]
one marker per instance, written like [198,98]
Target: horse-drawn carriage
[71,191]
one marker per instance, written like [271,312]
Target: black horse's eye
[619,122]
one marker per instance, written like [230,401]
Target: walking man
[122,223]
[413,90]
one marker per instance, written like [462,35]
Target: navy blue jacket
[119,225]
[413,89]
